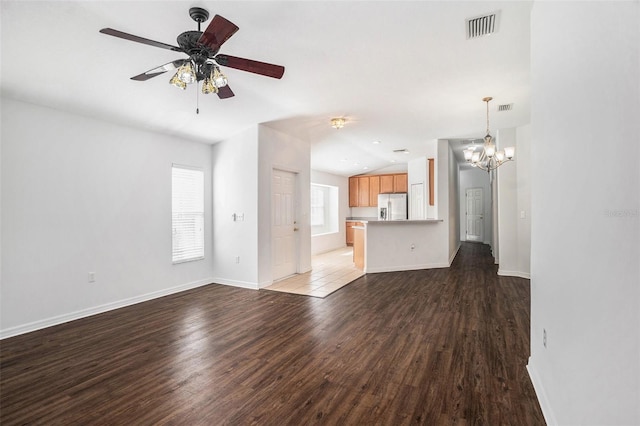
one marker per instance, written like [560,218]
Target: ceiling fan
[204,61]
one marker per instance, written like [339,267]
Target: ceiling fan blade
[159,70]
[218,31]
[225,92]
[263,68]
[131,37]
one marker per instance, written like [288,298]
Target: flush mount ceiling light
[488,159]
[338,123]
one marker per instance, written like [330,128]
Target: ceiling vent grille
[505,107]
[482,25]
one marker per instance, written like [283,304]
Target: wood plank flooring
[434,347]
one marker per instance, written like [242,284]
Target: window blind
[187,213]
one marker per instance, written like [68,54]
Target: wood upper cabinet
[353,191]
[374,190]
[394,183]
[386,184]
[400,183]
[363,191]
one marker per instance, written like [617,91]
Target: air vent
[505,107]
[401,150]
[482,25]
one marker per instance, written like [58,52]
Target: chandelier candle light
[489,159]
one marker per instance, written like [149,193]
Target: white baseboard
[83,313]
[520,274]
[378,269]
[235,283]
[547,412]
[454,254]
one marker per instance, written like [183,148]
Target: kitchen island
[402,245]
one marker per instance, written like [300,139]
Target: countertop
[378,221]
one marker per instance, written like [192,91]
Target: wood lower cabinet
[349,229]
[358,248]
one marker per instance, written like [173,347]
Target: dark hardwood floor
[434,347]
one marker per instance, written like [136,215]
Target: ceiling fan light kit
[489,158]
[203,62]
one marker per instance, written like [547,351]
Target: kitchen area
[393,224]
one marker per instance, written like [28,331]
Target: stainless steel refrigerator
[392,206]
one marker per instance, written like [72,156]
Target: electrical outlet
[413,247]
[237,259]
[92,277]
[544,337]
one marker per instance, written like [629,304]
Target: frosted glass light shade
[509,152]
[500,156]
[468,153]
[489,146]
[475,157]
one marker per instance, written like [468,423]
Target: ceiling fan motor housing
[198,14]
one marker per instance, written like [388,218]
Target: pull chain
[197,99]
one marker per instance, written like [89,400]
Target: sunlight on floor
[329,272]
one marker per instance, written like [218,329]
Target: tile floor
[329,272]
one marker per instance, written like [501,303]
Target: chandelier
[488,159]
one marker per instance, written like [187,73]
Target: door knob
[295,229]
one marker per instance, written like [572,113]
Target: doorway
[284,245]
[474,214]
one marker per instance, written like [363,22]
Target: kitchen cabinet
[350,233]
[394,183]
[400,183]
[353,191]
[374,190]
[386,184]
[358,247]
[364,190]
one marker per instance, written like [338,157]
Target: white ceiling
[401,73]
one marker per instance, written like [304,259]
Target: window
[324,209]
[187,213]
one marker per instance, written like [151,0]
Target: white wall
[335,240]
[278,150]
[475,178]
[523,180]
[403,246]
[585,255]
[79,196]
[235,190]
[454,205]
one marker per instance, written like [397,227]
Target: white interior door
[283,228]
[475,214]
